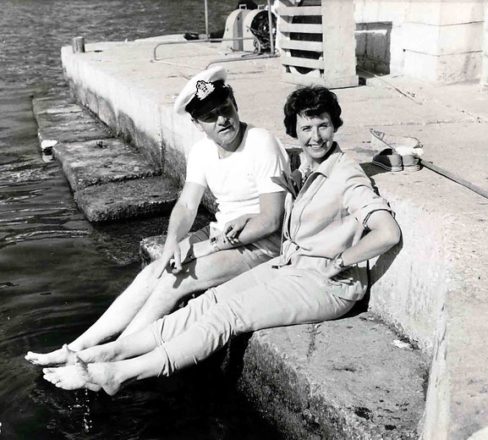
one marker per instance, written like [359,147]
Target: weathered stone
[343,379]
[54,105]
[133,198]
[151,248]
[60,120]
[72,132]
[101,161]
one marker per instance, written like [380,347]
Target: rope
[455,178]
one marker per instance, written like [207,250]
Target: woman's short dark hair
[311,101]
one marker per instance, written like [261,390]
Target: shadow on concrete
[232,358]
[372,170]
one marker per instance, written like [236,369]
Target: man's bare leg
[114,320]
[147,299]
[196,276]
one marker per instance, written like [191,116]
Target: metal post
[78,44]
[270,24]
[206,19]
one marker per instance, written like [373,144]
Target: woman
[334,220]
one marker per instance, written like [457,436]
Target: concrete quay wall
[433,289]
[436,40]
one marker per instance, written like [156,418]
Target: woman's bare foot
[82,375]
[98,353]
[63,355]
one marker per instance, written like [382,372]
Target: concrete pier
[431,289]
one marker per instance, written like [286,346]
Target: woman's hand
[332,270]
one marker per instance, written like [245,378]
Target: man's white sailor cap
[203,92]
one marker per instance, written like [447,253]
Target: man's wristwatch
[338,263]
[214,244]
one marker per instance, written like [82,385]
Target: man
[236,162]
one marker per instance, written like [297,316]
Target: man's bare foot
[63,355]
[82,375]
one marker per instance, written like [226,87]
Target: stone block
[49,136]
[443,40]
[317,381]
[60,120]
[397,54]
[371,11]
[54,106]
[445,12]
[100,161]
[444,68]
[121,200]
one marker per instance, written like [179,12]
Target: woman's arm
[383,234]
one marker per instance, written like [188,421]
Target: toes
[31,357]
[52,378]
[110,389]
[93,386]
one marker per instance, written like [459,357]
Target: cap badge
[204,89]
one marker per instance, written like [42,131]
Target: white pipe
[206,19]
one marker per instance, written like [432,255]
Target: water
[58,272]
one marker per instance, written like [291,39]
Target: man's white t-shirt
[238,179]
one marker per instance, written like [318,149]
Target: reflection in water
[58,272]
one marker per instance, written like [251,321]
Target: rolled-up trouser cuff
[165,361]
[167,368]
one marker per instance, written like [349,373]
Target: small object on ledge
[78,44]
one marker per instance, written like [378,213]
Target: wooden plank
[303,80]
[302,28]
[299,10]
[302,62]
[313,46]
[331,83]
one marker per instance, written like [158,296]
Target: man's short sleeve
[270,160]
[196,165]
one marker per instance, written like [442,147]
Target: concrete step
[353,378]
[61,120]
[101,161]
[127,199]
[110,179]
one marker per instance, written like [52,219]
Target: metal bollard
[78,44]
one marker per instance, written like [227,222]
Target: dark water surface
[58,272]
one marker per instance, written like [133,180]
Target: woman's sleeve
[359,198]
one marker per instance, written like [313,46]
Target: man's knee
[146,276]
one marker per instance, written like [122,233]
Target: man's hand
[233,228]
[171,258]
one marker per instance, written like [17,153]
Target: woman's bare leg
[107,375]
[100,366]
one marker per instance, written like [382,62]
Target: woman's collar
[327,165]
